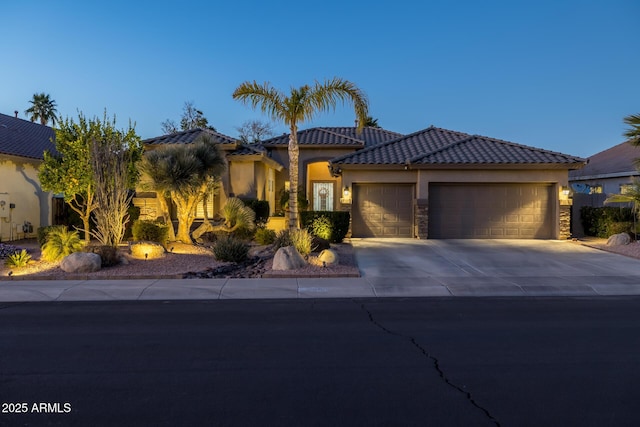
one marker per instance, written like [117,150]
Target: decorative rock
[619,240]
[328,257]
[146,250]
[288,258]
[81,262]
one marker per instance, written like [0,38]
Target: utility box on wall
[5,209]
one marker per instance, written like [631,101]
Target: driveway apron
[495,267]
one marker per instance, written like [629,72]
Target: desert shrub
[339,221]
[43,232]
[264,236]
[152,231]
[605,221]
[299,239]
[237,216]
[134,214]
[18,259]
[108,254]
[322,227]
[261,209]
[230,249]
[60,243]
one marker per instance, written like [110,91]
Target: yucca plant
[18,259]
[60,243]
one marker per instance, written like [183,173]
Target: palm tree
[371,122]
[633,133]
[185,173]
[42,108]
[301,105]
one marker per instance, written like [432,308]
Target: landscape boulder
[81,262]
[328,257]
[288,258]
[619,240]
[146,250]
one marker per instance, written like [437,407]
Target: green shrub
[299,239]
[606,221]
[303,203]
[150,231]
[230,249]
[44,231]
[108,254]
[134,214]
[322,227]
[18,259]
[60,243]
[261,209]
[339,223]
[264,236]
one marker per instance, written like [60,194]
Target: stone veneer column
[421,212]
[346,207]
[565,221]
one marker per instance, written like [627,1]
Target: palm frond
[633,133]
[263,97]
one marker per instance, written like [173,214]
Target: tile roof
[189,136]
[615,160]
[436,146]
[336,136]
[23,138]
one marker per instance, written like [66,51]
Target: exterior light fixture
[346,191]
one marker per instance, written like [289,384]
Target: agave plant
[18,259]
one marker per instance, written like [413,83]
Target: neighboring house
[24,206]
[434,183]
[438,183]
[608,172]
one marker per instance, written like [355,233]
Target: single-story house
[435,183]
[24,206]
[611,171]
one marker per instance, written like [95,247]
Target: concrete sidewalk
[220,289]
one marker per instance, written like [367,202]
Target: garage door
[382,210]
[490,211]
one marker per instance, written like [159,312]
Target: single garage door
[490,211]
[382,210]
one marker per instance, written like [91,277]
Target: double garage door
[456,211]
[490,211]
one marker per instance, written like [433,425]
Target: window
[625,188]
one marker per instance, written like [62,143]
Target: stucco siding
[19,185]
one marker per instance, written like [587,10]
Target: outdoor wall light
[346,191]
[565,190]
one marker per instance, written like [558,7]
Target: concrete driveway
[494,267]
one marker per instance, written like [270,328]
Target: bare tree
[254,131]
[111,160]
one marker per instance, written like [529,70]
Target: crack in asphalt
[436,364]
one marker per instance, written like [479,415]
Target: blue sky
[552,74]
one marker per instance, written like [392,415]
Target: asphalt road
[387,362]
